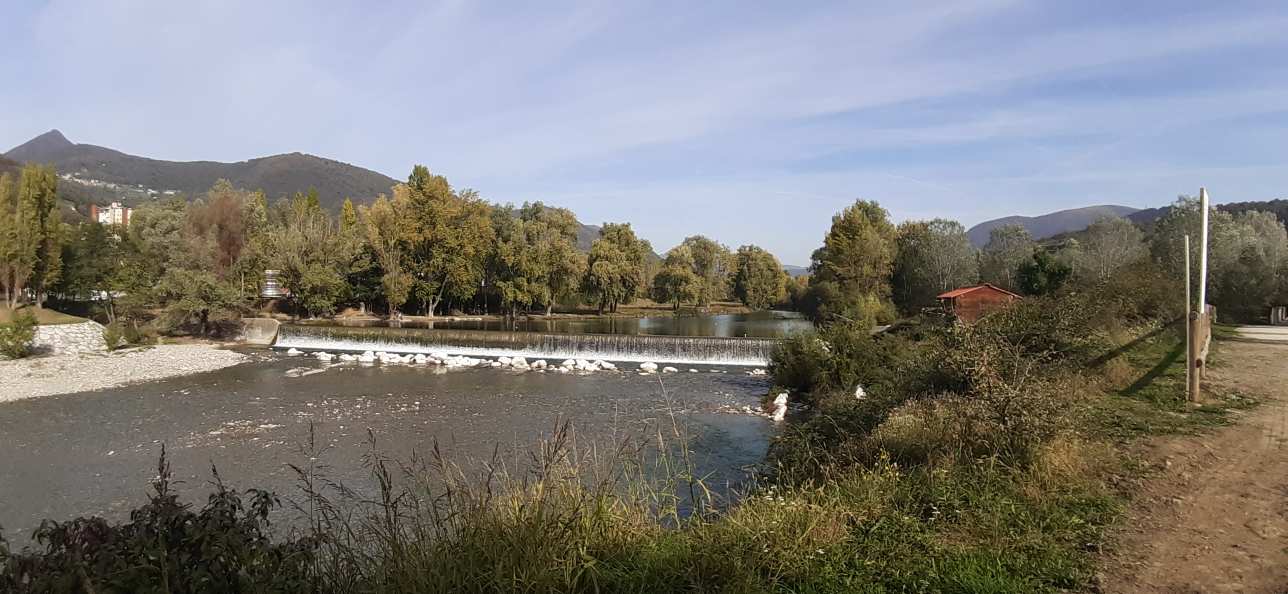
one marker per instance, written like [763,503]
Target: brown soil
[1215,516]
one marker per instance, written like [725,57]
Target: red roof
[964,290]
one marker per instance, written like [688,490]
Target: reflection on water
[761,324]
[94,453]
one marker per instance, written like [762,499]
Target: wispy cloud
[751,123]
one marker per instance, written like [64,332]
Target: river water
[760,324]
[93,453]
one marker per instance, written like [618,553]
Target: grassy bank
[982,459]
[44,316]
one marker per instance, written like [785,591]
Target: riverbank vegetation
[426,248]
[936,456]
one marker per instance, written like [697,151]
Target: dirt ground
[1215,518]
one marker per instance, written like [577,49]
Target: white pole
[1203,251]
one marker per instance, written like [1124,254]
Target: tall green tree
[676,282]
[759,280]
[713,265]
[615,266]
[313,257]
[386,236]
[449,236]
[1043,274]
[32,234]
[850,276]
[932,257]
[1009,247]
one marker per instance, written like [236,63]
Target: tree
[931,257]
[759,280]
[348,215]
[1043,274]
[90,257]
[31,234]
[1008,248]
[384,232]
[310,253]
[1106,245]
[449,235]
[712,264]
[615,266]
[850,274]
[677,282]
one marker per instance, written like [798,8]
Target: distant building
[115,214]
[1279,315]
[971,303]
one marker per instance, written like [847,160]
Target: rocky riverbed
[80,372]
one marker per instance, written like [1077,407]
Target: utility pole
[1203,253]
[1198,328]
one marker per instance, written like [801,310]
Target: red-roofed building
[971,303]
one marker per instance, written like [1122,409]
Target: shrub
[839,357]
[113,335]
[225,547]
[16,336]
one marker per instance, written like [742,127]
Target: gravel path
[62,374]
[1215,519]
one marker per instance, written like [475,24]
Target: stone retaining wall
[85,337]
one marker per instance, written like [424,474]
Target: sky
[748,122]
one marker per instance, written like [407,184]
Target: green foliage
[31,233]
[113,336]
[165,547]
[712,265]
[1009,247]
[853,266]
[677,282]
[1043,274]
[759,281]
[932,257]
[838,358]
[615,266]
[16,335]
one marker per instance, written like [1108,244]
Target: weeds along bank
[979,459]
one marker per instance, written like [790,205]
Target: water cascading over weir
[691,350]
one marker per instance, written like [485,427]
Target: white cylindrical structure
[1203,250]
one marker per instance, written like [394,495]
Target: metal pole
[1189,357]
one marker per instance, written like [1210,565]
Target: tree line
[424,248]
[870,269]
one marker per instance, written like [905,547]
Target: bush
[113,335]
[226,547]
[16,336]
[839,357]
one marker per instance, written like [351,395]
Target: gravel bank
[66,373]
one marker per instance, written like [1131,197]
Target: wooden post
[1189,327]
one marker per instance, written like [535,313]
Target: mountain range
[1047,225]
[94,174]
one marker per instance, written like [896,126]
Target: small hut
[971,303]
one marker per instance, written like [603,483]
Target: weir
[706,350]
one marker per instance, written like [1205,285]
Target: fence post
[1189,306]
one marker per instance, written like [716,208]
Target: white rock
[495,364]
[420,358]
[859,392]
[778,410]
[756,372]
[539,364]
[605,365]
[519,363]
[367,357]
[503,360]
[324,356]
[347,357]
[294,352]
[692,370]
[648,367]
[669,370]
[568,363]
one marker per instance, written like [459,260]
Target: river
[93,453]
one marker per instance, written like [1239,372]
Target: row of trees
[425,247]
[868,268]
[31,234]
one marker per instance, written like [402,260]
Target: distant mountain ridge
[277,175]
[1047,225]
[103,174]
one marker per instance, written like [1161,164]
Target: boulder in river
[648,367]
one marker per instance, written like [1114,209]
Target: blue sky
[747,122]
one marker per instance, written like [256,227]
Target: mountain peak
[46,147]
[1055,223]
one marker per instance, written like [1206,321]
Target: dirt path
[1215,519]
